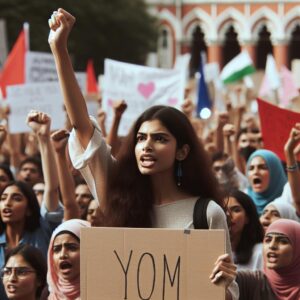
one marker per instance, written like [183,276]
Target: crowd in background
[54,183]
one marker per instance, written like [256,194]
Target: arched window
[294,45]
[165,49]
[198,46]
[263,48]
[231,46]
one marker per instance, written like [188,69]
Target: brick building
[223,28]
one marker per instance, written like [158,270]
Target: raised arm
[292,168]
[101,117]
[61,23]
[113,139]
[222,119]
[66,182]
[40,124]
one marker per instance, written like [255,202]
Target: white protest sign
[40,67]
[182,63]
[211,71]
[141,87]
[45,97]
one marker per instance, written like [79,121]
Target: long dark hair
[130,196]
[5,168]
[35,258]
[32,221]
[252,233]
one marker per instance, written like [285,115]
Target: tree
[117,29]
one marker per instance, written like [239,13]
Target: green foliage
[117,29]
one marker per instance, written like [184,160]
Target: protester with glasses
[24,273]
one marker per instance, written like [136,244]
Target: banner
[276,124]
[151,264]
[141,87]
[45,97]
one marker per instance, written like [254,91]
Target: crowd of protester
[54,183]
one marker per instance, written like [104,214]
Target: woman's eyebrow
[277,234]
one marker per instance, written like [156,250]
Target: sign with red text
[154,264]
[141,87]
[276,124]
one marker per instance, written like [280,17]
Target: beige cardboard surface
[156,264]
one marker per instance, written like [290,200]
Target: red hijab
[285,282]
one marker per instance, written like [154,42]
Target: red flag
[91,82]
[14,68]
[276,124]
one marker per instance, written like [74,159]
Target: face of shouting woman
[19,279]
[13,205]
[270,214]
[66,256]
[278,250]
[155,149]
[258,174]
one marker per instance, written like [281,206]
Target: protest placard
[141,87]
[40,67]
[45,97]
[153,264]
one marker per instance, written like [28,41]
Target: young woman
[161,168]
[280,277]
[64,261]
[24,274]
[266,178]
[246,232]
[278,209]
[21,220]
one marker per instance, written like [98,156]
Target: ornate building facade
[223,28]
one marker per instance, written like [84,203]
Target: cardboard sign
[45,97]
[276,124]
[154,264]
[141,87]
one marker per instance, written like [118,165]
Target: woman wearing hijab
[64,261]
[280,278]
[266,178]
[278,209]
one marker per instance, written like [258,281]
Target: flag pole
[26,31]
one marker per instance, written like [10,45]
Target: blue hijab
[277,179]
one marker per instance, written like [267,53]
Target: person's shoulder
[216,218]
[214,209]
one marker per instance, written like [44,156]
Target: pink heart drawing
[172,101]
[110,102]
[146,89]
